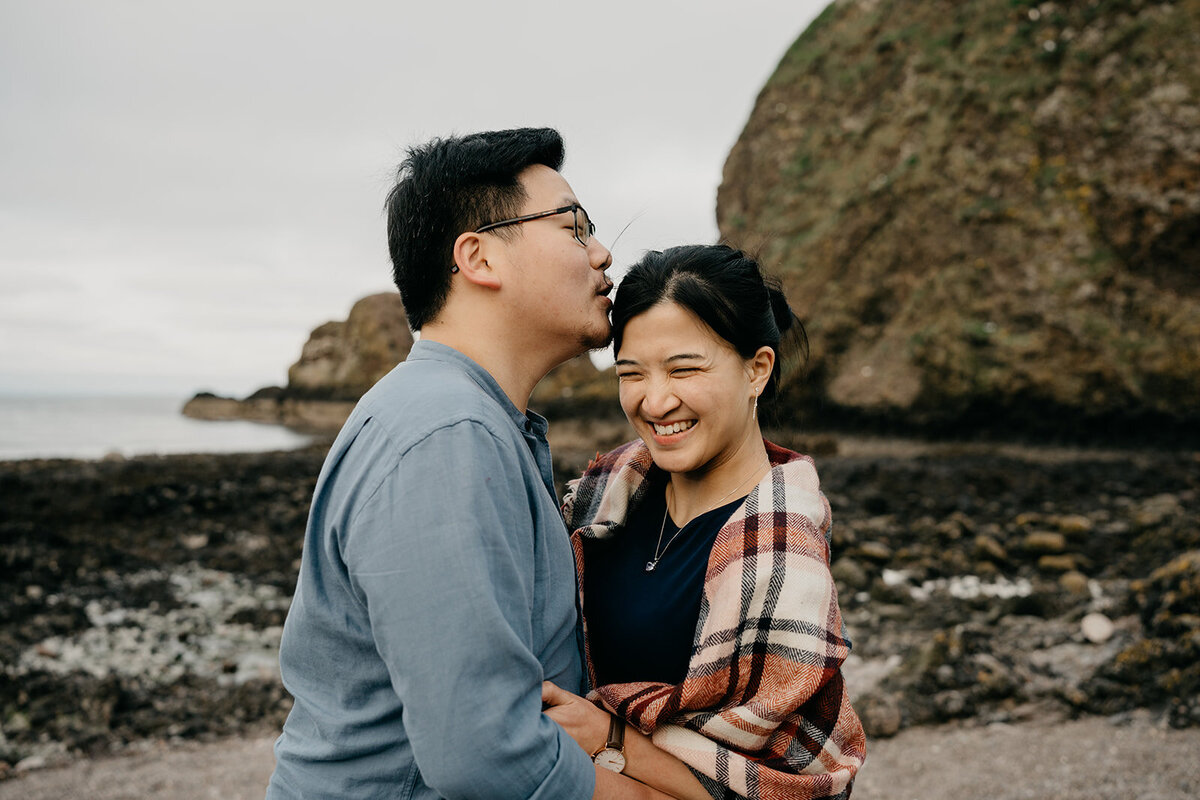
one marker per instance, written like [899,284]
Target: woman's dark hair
[447,186]
[724,288]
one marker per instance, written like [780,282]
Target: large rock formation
[985,212]
[343,359]
[339,362]
[577,389]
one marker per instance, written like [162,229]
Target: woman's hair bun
[784,317]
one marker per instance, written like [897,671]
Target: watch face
[610,759]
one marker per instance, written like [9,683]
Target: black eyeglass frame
[574,208]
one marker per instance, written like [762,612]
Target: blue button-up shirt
[436,591]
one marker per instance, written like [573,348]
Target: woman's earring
[754,412]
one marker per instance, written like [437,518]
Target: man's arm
[442,555]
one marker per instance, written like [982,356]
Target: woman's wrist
[611,755]
[645,762]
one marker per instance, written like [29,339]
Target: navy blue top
[641,625]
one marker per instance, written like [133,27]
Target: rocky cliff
[987,212]
[577,389]
[342,359]
[339,362]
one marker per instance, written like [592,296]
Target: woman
[710,619]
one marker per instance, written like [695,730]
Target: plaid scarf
[763,711]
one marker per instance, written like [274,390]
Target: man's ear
[470,256]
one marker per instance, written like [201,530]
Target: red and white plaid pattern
[763,710]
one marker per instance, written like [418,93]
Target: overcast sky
[188,188]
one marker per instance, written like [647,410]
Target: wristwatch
[612,755]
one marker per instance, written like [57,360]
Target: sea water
[93,427]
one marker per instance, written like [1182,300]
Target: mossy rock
[987,213]
[1163,668]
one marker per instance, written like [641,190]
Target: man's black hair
[446,187]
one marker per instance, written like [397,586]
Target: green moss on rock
[986,212]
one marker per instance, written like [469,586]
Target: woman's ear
[470,261]
[760,365]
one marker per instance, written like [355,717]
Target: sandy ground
[1090,759]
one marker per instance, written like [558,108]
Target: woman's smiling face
[688,394]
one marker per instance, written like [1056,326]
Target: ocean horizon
[95,426]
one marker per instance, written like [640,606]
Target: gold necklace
[652,564]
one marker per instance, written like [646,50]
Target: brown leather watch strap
[616,733]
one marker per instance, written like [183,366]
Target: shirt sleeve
[442,554]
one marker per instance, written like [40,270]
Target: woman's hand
[586,724]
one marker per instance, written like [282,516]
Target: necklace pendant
[650,565]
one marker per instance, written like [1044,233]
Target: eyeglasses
[584,228]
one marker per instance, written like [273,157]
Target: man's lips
[604,291]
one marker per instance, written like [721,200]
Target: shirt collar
[423,350]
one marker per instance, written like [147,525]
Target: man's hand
[587,724]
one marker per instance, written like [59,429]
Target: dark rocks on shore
[961,605]
[1163,665]
[144,598]
[276,406]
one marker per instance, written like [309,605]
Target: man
[437,588]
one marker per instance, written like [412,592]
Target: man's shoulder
[421,406]
[419,398]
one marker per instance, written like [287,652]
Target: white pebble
[1097,628]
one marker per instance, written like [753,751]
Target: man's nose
[598,255]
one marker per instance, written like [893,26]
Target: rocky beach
[982,583]
[987,216]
